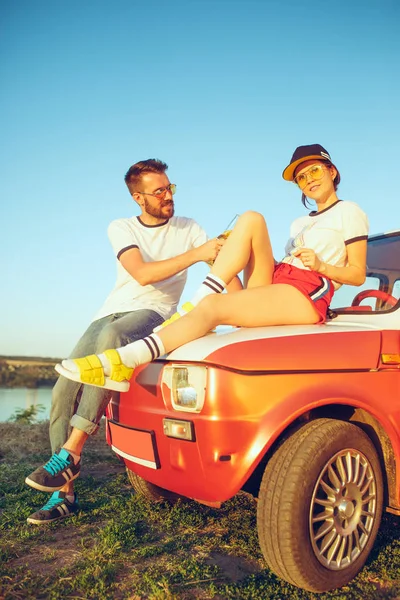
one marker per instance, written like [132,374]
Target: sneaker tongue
[57,495]
[64,454]
[54,499]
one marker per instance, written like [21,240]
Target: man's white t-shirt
[327,232]
[158,242]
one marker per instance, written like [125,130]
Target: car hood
[304,347]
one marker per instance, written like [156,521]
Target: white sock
[211,285]
[132,355]
[137,353]
[70,497]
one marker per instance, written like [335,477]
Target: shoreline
[27,372]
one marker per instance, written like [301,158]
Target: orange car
[307,417]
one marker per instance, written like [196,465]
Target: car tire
[320,505]
[150,491]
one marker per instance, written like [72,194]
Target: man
[153,253]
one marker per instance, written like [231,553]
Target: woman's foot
[187,307]
[211,285]
[104,370]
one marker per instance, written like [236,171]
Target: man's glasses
[162,192]
[315,172]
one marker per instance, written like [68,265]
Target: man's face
[159,207]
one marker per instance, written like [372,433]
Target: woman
[326,249]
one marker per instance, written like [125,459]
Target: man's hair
[134,175]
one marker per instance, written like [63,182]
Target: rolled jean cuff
[84,425]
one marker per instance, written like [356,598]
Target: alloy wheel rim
[343,509]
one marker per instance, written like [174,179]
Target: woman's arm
[353,273]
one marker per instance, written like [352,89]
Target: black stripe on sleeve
[125,249]
[356,239]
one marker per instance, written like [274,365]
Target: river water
[12,399]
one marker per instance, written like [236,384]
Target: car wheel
[150,491]
[320,505]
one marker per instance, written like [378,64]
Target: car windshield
[383,278]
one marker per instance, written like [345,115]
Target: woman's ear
[333,172]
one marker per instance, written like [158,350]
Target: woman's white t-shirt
[327,232]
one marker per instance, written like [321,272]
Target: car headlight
[186,385]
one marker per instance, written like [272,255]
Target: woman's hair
[336,181]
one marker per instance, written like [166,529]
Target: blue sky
[222,90]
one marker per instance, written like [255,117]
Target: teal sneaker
[58,507]
[58,471]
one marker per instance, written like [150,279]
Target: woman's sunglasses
[314,173]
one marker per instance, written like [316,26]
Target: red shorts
[318,289]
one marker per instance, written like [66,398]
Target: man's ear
[137,198]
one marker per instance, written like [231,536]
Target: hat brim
[288,173]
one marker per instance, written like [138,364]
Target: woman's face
[315,179]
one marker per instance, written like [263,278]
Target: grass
[119,546]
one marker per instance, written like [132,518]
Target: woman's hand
[353,273]
[308,258]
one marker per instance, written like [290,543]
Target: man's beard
[158,212]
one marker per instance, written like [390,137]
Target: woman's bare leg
[278,304]
[248,249]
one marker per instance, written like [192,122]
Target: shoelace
[53,502]
[56,464]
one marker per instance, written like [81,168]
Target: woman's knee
[252,219]
[207,309]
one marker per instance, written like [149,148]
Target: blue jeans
[82,406]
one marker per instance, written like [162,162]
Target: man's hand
[208,252]
[308,258]
[150,272]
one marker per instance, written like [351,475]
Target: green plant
[26,416]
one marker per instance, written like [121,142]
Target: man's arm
[150,272]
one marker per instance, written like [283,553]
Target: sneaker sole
[44,522]
[44,488]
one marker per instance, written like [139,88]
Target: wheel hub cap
[343,509]
[346,509]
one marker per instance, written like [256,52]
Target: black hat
[303,153]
